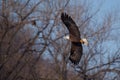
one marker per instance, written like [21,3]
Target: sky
[109,6]
[106,6]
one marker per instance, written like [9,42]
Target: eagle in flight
[74,36]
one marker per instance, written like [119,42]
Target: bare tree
[32,45]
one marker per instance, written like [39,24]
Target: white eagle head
[84,41]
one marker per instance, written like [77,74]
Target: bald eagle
[74,36]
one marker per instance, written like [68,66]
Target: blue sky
[109,6]
[106,5]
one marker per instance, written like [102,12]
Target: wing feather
[71,25]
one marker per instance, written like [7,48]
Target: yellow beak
[81,41]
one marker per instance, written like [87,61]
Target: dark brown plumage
[76,47]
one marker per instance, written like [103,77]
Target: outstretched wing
[76,52]
[71,26]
